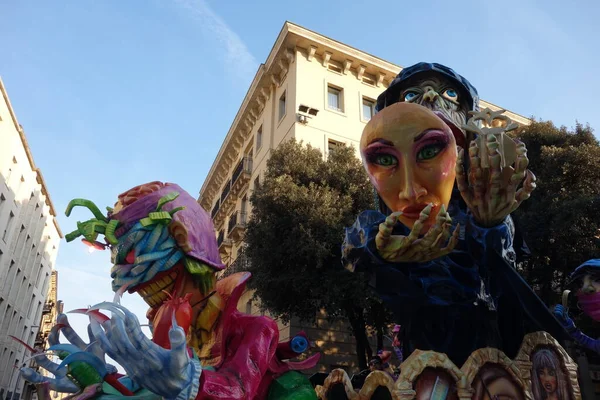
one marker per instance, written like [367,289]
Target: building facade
[29,240]
[316,90]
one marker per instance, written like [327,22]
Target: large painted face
[438,94]
[410,156]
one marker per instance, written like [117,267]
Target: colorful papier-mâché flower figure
[163,246]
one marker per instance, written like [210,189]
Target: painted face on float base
[410,156]
[547,379]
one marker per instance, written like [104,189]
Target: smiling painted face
[410,156]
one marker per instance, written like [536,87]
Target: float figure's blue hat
[589,267]
[392,94]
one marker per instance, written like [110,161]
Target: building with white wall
[321,92]
[29,240]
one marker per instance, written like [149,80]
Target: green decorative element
[292,386]
[109,232]
[166,199]
[203,275]
[91,228]
[80,373]
[173,211]
[83,374]
[158,217]
[88,204]
[146,221]
[88,229]
[102,225]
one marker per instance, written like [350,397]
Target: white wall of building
[29,241]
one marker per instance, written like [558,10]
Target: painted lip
[548,387]
[413,211]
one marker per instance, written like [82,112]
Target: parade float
[440,251]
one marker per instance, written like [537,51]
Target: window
[368,108]
[8,226]
[333,145]
[257,183]
[334,98]
[282,106]
[259,138]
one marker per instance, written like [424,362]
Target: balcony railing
[222,242]
[241,264]
[233,187]
[47,309]
[237,220]
[225,191]
[244,166]
[40,340]
[215,209]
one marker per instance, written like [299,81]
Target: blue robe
[470,299]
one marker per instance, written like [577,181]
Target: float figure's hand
[79,376]
[490,193]
[168,373]
[437,242]
[60,383]
[561,313]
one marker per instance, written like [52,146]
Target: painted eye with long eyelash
[385,160]
[382,160]
[429,152]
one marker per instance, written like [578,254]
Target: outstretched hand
[492,194]
[437,242]
[168,373]
[67,379]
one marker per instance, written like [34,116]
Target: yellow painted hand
[435,243]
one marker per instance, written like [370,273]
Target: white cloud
[237,56]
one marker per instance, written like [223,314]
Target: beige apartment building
[314,89]
[29,239]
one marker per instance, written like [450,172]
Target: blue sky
[115,93]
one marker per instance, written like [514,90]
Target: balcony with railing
[40,340]
[47,309]
[237,224]
[225,191]
[241,264]
[238,182]
[215,209]
[241,173]
[223,243]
